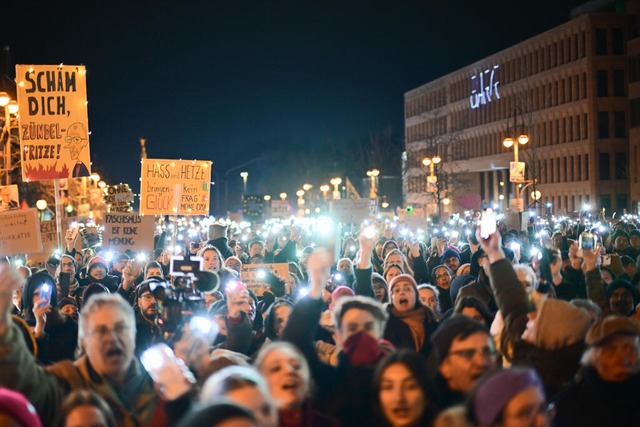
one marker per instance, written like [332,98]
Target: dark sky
[222,80]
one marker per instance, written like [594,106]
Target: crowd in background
[455,328]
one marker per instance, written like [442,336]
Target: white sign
[516,171]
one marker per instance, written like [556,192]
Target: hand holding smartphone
[167,370]
[487,223]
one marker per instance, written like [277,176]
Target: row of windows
[571,203]
[561,91]
[620,166]
[572,48]
[426,130]
[551,132]
[424,103]
[603,84]
[619,124]
[615,46]
[563,169]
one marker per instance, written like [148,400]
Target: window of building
[603,124]
[586,167]
[618,83]
[618,41]
[602,81]
[620,128]
[605,202]
[604,167]
[634,112]
[621,203]
[634,68]
[621,165]
[601,41]
[585,123]
[579,168]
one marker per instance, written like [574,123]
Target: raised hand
[319,269]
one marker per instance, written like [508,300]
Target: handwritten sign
[19,232]
[280,209]
[54,130]
[49,238]
[350,211]
[251,274]
[124,231]
[118,198]
[175,187]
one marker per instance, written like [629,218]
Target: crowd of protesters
[510,328]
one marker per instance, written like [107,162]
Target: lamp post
[517,168]
[10,107]
[336,192]
[432,179]
[373,177]
[325,189]
[244,176]
[283,196]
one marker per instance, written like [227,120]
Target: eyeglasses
[469,353]
[102,331]
[147,296]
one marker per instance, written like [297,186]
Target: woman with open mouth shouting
[410,323]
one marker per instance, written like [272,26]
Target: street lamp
[325,189]
[432,179]
[10,107]
[283,196]
[244,176]
[336,192]
[307,187]
[267,198]
[373,177]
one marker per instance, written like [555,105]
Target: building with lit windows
[573,90]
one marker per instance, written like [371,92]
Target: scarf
[414,319]
[362,349]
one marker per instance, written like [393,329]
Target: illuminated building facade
[574,90]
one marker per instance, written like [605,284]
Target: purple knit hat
[493,394]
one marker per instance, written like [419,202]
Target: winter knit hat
[610,326]
[621,283]
[560,324]
[403,278]
[18,408]
[495,391]
[449,253]
[340,292]
[66,301]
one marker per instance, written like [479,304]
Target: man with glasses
[462,352]
[147,331]
[106,332]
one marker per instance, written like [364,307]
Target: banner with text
[49,238]
[54,129]
[128,231]
[250,274]
[170,187]
[19,232]
[350,211]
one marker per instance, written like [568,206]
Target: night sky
[232,81]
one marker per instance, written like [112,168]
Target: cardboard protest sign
[9,199]
[280,209]
[171,187]
[250,274]
[350,211]
[49,237]
[118,198]
[124,231]
[54,130]
[19,232]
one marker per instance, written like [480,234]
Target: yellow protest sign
[252,275]
[170,187]
[54,131]
[19,232]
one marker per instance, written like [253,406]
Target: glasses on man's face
[469,353]
[147,296]
[103,331]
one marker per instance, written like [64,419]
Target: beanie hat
[94,260]
[93,289]
[475,266]
[495,391]
[619,233]
[19,408]
[621,283]
[560,324]
[73,260]
[217,231]
[340,292]
[96,263]
[403,278]
[121,256]
[457,325]
[634,232]
[610,326]
[449,253]
[66,301]
[211,414]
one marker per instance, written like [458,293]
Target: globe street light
[244,176]
[325,189]
[336,192]
[373,177]
[283,196]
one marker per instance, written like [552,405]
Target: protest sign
[19,232]
[124,231]
[349,211]
[118,198]
[9,199]
[252,276]
[54,130]
[280,209]
[171,187]
[49,238]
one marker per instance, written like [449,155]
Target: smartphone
[195,245]
[45,292]
[587,240]
[606,260]
[64,280]
[487,223]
